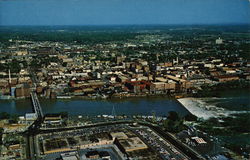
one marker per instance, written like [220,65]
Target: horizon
[135,25]
[118,12]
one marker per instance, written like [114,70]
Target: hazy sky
[102,12]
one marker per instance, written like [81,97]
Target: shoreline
[124,97]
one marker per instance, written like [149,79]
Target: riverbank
[215,90]
[123,96]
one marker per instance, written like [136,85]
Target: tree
[190,117]
[4,115]
[35,63]
[174,123]
[64,114]
[1,133]
[173,126]
[172,115]
[64,64]
[14,66]
[14,118]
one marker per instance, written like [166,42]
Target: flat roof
[132,144]
[119,135]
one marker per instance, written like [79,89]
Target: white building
[219,41]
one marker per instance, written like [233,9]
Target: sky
[123,12]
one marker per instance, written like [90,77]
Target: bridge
[33,129]
[36,105]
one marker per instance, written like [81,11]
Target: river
[231,101]
[131,106]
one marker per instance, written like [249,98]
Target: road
[33,129]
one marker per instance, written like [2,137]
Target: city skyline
[118,12]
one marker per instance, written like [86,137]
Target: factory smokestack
[9,77]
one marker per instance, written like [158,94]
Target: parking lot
[163,147]
[72,138]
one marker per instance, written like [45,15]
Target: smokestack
[9,77]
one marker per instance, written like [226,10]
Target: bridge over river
[36,105]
